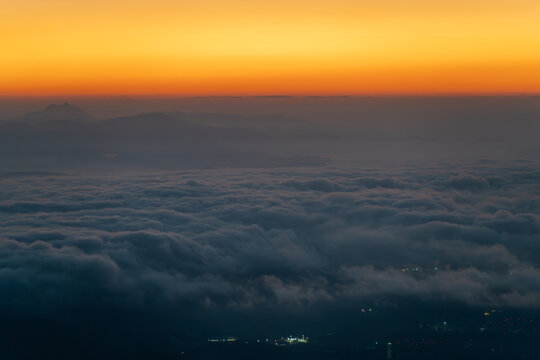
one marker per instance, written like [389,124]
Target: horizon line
[273,96]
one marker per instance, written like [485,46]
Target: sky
[298,47]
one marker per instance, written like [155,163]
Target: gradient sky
[240,47]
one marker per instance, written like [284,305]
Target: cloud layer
[249,240]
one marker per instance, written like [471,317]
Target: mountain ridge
[54,112]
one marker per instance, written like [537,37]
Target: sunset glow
[216,47]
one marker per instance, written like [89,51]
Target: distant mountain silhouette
[164,126]
[257,122]
[64,112]
[150,140]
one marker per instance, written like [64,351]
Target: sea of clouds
[239,239]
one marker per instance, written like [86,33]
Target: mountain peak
[53,112]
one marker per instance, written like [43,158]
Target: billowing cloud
[242,241]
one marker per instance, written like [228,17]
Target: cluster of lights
[417,268]
[411,268]
[290,340]
[295,340]
[229,339]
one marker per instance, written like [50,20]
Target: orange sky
[240,47]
